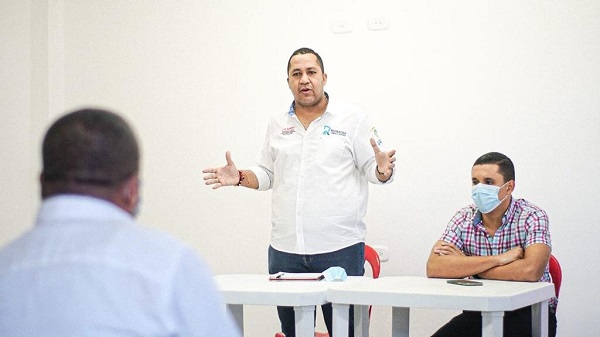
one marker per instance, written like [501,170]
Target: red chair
[555,274]
[372,258]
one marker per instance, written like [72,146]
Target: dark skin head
[91,152]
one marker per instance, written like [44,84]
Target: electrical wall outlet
[383,252]
[341,26]
[378,23]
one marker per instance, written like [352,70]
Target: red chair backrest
[372,258]
[555,273]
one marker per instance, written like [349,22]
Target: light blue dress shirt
[88,269]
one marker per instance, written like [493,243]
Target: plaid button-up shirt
[523,224]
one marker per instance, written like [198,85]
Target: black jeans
[351,258]
[517,323]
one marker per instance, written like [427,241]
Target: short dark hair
[505,165]
[303,51]
[88,147]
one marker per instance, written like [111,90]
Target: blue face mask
[486,197]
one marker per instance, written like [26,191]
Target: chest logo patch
[327,131]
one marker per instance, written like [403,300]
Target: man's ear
[511,186]
[130,194]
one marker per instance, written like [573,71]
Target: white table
[405,292]
[238,290]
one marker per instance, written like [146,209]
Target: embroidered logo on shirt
[288,131]
[376,136]
[327,130]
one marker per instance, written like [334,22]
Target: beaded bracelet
[241,178]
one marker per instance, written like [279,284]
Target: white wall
[447,82]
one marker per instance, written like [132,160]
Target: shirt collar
[72,208]
[292,110]
[477,220]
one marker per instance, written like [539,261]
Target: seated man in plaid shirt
[498,237]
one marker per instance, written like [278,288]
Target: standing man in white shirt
[87,268]
[318,158]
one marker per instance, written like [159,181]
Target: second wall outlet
[383,252]
[378,23]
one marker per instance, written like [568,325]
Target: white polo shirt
[319,178]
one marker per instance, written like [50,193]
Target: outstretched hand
[227,175]
[385,160]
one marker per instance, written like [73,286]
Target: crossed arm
[517,264]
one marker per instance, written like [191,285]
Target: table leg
[400,321]
[340,319]
[305,320]
[237,311]
[539,316]
[361,321]
[491,323]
